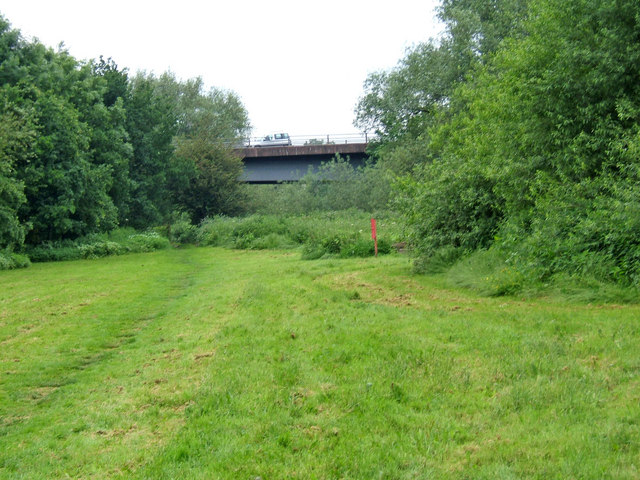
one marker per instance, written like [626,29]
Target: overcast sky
[298,66]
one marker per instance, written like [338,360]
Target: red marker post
[374,234]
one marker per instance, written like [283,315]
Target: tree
[16,134]
[212,185]
[539,155]
[66,195]
[151,126]
[183,138]
[402,104]
[109,144]
[210,124]
[84,148]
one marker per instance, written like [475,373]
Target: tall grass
[346,233]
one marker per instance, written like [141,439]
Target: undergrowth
[491,272]
[118,242]
[341,234]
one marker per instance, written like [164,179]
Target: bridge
[291,163]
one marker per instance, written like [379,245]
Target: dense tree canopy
[402,104]
[529,147]
[84,147]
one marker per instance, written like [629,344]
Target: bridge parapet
[324,139]
[303,151]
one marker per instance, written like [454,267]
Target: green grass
[210,363]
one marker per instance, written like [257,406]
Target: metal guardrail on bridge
[324,139]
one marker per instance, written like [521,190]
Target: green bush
[359,248]
[532,168]
[101,249]
[95,246]
[215,231]
[54,252]
[260,226]
[244,242]
[271,242]
[335,242]
[363,247]
[10,260]
[146,242]
[182,231]
[320,233]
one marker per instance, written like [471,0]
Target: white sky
[298,66]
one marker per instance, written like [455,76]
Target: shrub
[95,246]
[244,241]
[182,231]
[10,260]
[334,242]
[101,249]
[320,233]
[215,231]
[365,247]
[260,226]
[146,242]
[54,252]
[358,248]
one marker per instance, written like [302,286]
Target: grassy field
[209,363]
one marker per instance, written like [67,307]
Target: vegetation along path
[212,363]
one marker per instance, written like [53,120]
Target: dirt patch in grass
[41,393]
[200,356]
[403,294]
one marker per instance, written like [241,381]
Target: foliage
[10,260]
[145,242]
[117,242]
[16,133]
[210,178]
[337,185]
[400,105]
[151,123]
[84,148]
[181,230]
[344,234]
[533,157]
[365,248]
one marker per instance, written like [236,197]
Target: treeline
[85,147]
[515,140]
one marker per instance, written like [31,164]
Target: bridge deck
[303,151]
[289,164]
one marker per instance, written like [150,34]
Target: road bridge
[290,164]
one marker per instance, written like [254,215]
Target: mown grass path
[211,363]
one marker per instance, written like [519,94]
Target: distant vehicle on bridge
[275,140]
